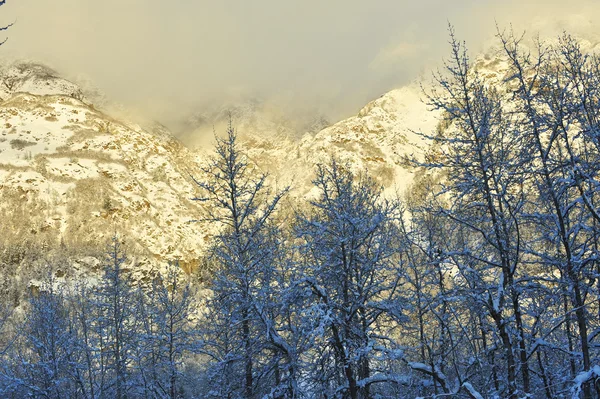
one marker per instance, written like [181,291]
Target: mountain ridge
[71,175]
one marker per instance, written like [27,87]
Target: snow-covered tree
[349,266]
[168,335]
[117,323]
[556,97]
[88,343]
[242,333]
[480,155]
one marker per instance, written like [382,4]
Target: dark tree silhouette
[5,27]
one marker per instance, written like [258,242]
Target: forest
[482,282]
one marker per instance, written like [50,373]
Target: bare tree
[5,27]
[118,321]
[243,253]
[480,156]
[348,265]
[556,97]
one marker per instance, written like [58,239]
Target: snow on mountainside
[36,79]
[73,176]
[379,137]
[376,140]
[70,175]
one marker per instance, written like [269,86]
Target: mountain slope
[72,176]
[377,139]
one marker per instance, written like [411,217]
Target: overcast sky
[334,55]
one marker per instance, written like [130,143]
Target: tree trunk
[582,324]
[352,387]
[510,361]
[544,376]
[249,380]
[568,332]
[522,345]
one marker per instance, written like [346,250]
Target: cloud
[168,57]
[390,56]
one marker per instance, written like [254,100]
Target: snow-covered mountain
[376,140]
[71,176]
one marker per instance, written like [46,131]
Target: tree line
[483,282]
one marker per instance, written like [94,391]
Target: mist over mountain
[327,59]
